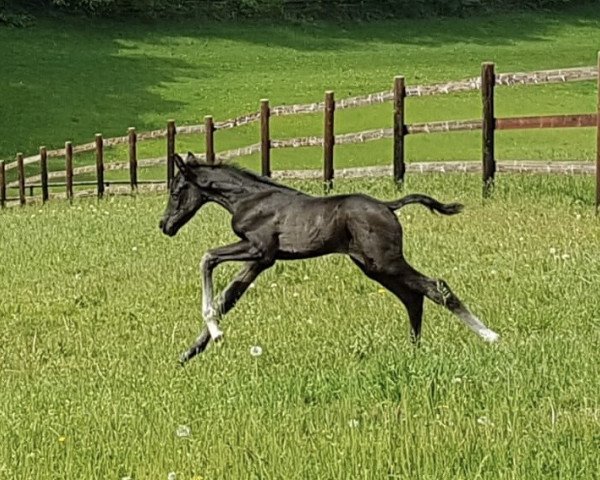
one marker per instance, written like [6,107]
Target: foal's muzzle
[163,225]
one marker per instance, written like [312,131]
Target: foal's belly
[305,233]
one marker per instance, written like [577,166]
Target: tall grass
[97,305]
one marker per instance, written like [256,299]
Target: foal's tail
[431,203]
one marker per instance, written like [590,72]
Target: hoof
[183,359]
[215,332]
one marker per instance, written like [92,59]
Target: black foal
[275,222]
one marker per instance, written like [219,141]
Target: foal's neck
[231,187]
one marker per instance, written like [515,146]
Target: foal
[275,222]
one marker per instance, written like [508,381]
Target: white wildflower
[485,421]
[183,431]
[353,423]
[256,351]
[172,476]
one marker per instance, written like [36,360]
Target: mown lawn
[97,305]
[68,78]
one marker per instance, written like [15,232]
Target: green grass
[68,78]
[97,305]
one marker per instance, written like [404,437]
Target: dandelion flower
[485,421]
[183,431]
[256,351]
[382,291]
[62,439]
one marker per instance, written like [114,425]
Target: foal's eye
[176,192]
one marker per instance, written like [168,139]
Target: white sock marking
[478,327]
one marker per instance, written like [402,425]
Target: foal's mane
[240,172]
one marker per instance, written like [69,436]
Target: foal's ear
[190,157]
[180,164]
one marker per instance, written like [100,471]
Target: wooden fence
[488,124]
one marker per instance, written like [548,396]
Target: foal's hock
[276,222]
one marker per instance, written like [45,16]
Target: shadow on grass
[68,84]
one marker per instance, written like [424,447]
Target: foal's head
[185,197]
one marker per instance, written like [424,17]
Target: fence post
[44,173]
[598,143]
[488,80]
[209,131]
[132,159]
[399,96]
[328,140]
[100,165]
[2,184]
[265,138]
[21,170]
[171,131]
[69,169]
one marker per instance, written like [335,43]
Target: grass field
[97,305]
[69,78]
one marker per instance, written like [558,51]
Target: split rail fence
[488,124]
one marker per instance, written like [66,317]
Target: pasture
[145,73]
[97,305]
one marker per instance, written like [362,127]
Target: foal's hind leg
[440,293]
[412,300]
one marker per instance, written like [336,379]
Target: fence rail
[504,79]
[488,124]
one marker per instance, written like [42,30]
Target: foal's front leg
[240,251]
[232,293]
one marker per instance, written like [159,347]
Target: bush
[295,9]
[15,13]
